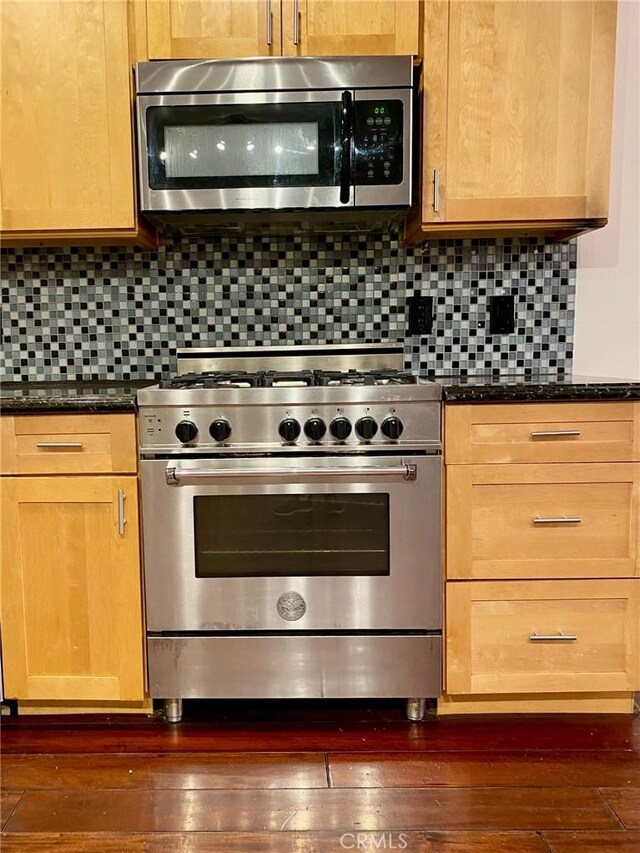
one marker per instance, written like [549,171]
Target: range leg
[416,709]
[173,710]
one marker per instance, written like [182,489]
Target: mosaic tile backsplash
[121,313]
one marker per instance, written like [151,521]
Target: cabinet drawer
[542,432]
[542,521]
[69,444]
[505,637]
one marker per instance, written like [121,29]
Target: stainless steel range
[291,508]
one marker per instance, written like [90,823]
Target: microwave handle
[346,133]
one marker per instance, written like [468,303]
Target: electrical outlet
[420,314]
[502,320]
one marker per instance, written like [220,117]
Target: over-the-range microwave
[275,134]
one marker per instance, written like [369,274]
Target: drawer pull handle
[560,637]
[555,433]
[57,445]
[565,519]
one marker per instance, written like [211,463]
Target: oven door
[293,543]
[245,151]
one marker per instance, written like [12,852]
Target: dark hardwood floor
[320,777]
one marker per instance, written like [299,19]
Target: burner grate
[288,379]
[236,379]
[365,377]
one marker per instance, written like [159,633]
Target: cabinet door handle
[296,22]
[58,445]
[121,519]
[436,190]
[553,433]
[560,637]
[269,24]
[563,519]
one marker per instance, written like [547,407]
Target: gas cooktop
[282,399]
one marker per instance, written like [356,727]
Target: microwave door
[246,151]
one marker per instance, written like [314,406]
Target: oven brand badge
[291,606]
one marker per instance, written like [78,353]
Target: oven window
[291,535]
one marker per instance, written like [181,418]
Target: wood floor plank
[593,842]
[8,801]
[171,770]
[569,732]
[477,769]
[275,842]
[313,809]
[626,804]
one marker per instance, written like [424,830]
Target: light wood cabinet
[543,521]
[542,516]
[543,637]
[209,29]
[543,432]
[68,444]
[518,99]
[71,606]
[65,127]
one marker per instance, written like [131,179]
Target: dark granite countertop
[535,387]
[70,396]
[120,396]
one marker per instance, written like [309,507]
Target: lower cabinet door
[71,588]
[542,636]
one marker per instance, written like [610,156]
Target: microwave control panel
[378,131]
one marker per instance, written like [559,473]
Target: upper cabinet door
[518,107]
[349,27]
[65,126]
[207,29]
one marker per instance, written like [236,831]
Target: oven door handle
[176,475]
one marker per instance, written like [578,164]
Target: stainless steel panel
[254,426]
[245,198]
[313,357]
[390,194]
[408,598]
[295,667]
[274,74]
[255,429]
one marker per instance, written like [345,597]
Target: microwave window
[240,149]
[292,535]
[235,146]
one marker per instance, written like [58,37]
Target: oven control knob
[289,429]
[392,428]
[366,428]
[340,428]
[315,429]
[186,432]
[220,430]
